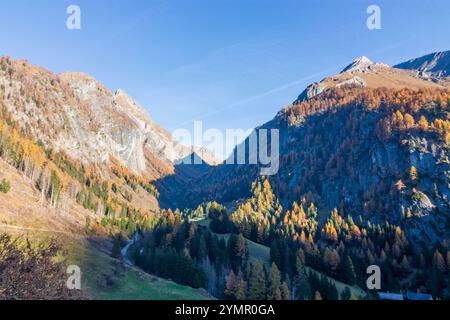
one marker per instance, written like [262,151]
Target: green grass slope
[105,278]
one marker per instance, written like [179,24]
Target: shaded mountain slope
[378,149]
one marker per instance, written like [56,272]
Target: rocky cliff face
[341,146]
[75,113]
[363,72]
[435,65]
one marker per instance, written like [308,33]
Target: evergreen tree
[303,290]
[115,251]
[257,283]
[240,287]
[300,262]
[285,294]
[274,282]
[438,261]
[348,271]
[202,250]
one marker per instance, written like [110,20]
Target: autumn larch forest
[87,180]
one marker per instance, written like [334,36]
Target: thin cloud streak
[263,94]
[286,86]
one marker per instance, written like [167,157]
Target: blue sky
[230,63]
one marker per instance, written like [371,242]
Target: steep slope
[436,65]
[368,74]
[22,206]
[73,138]
[78,155]
[74,113]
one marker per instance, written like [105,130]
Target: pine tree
[300,262]
[285,294]
[240,286]
[202,250]
[240,252]
[274,282]
[257,283]
[349,273]
[115,251]
[5,186]
[438,261]
[405,264]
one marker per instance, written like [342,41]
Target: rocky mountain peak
[75,113]
[363,72]
[435,64]
[362,65]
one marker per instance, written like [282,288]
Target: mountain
[363,179]
[436,65]
[77,165]
[356,141]
[85,148]
[74,113]
[365,73]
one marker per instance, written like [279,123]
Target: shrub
[30,271]
[5,186]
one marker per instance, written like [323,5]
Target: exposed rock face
[435,64]
[337,155]
[363,72]
[75,113]
[363,65]
[311,91]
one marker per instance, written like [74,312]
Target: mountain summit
[363,72]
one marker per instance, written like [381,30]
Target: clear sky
[231,63]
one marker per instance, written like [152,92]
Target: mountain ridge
[365,73]
[435,64]
[297,124]
[87,120]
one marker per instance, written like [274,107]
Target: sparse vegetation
[5,186]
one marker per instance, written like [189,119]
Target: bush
[31,272]
[5,186]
